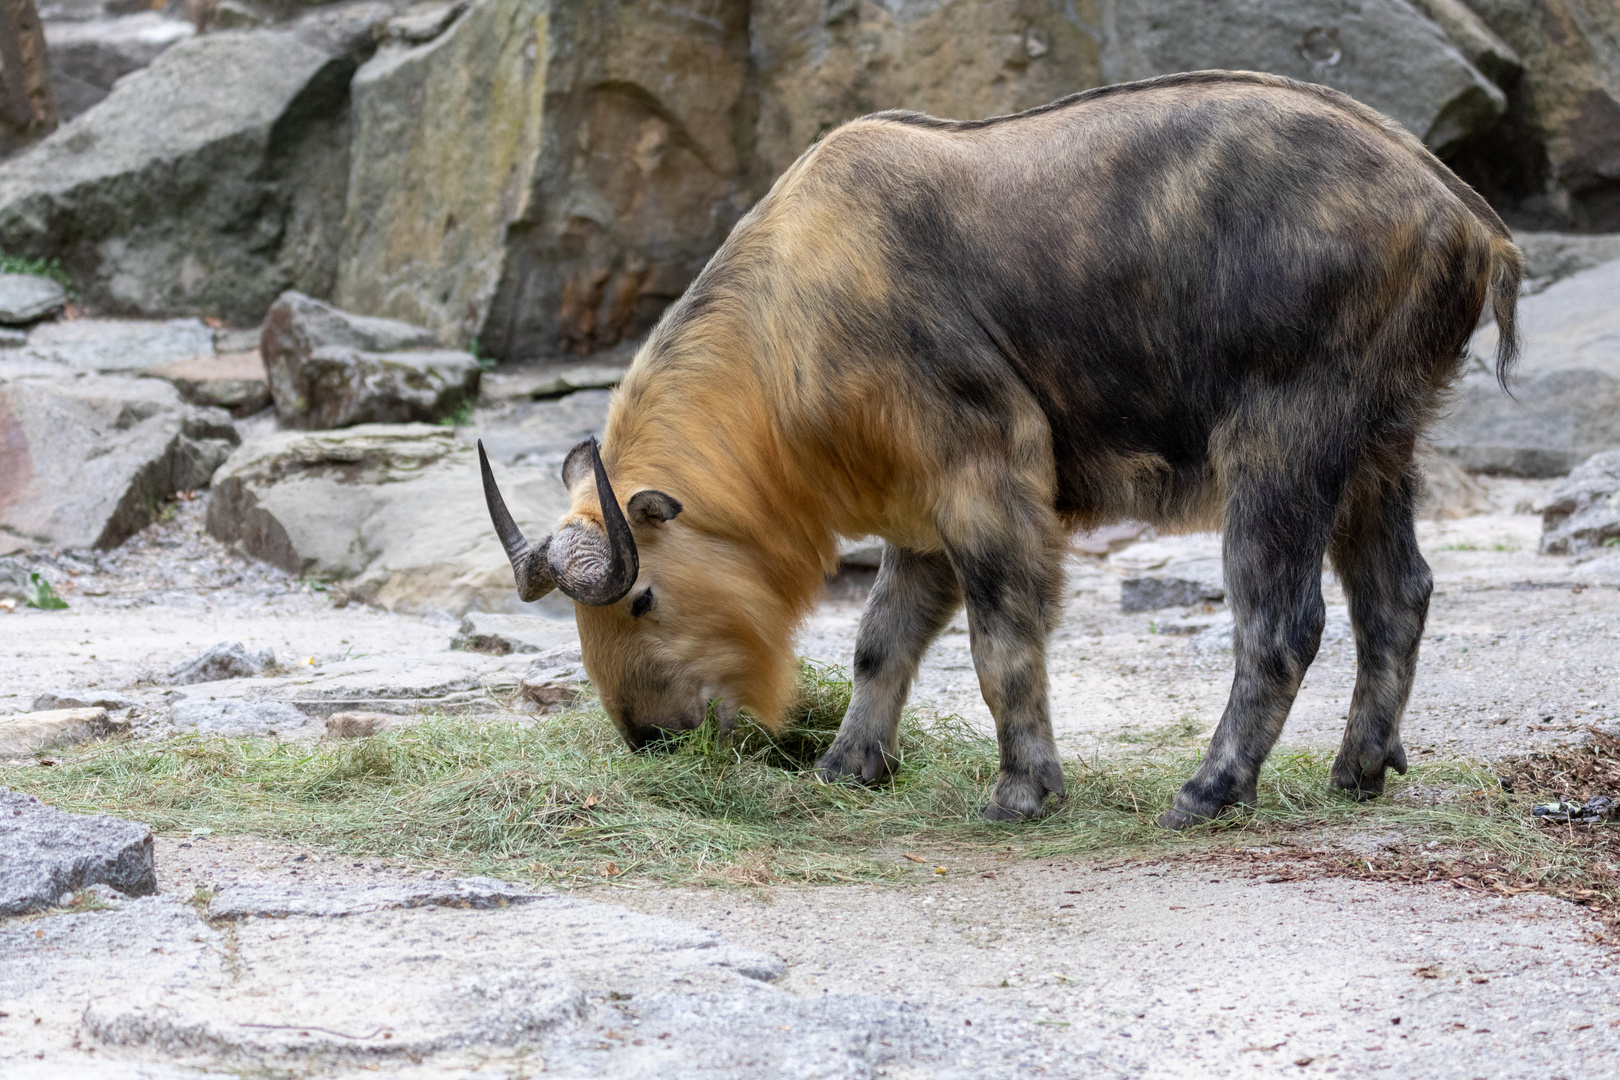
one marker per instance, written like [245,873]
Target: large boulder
[329,369]
[823,64]
[89,55]
[395,510]
[173,196]
[86,461]
[45,853]
[1565,404]
[1583,512]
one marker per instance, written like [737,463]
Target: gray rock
[542,432]
[1566,397]
[554,682]
[864,552]
[227,660]
[1551,257]
[25,298]
[52,729]
[538,382]
[1177,571]
[84,699]
[12,338]
[397,510]
[1162,591]
[116,346]
[277,900]
[451,684]
[13,579]
[330,369]
[240,718]
[89,55]
[170,197]
[234,381]
[1583,512]
[91,458]
[500,634]
[45,852]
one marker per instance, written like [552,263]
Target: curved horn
[596,569]
[531,565]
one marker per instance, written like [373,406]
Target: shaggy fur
[1212,299]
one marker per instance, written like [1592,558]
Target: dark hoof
[1364,780]
[862,764]
[1195,808]
[1023,798]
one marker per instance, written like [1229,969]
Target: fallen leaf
[913,858]
[1302,1062]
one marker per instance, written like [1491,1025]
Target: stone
[1162,591]
[119,346]
[86,461]
[25,298]
[274,900]
[84,699]
[1551,257]
[1583,512]
[1449,492]
[861,552]
[1176,571]
[397,511]
[12,338]
[361,725]
[227,660]
[500,634]
[449,684]
[234,381]
[539,381]
[240,718]
[45,852]
[1566,393]
[551,685]
[89,55]
[1106,539]
[52,729]
[542,433]
[329,369]
[171,198]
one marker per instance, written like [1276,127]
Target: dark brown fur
[1208,299]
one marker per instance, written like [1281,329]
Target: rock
[89,56]
[240,718]
[450,684]
[539,381]
[396,510]
[118,346]
[87,460]
[25,298]
[1110,538]
[45,852]
[11,338]
[274,900]
[499,634]
[1162,591]
[543,432]
[1177,571]
[1449,492]
[1583,512]
[234,381]
[227,660]
[51,729]
[1566,396]
[1553,161]
[171,198]
[552,685]
[328,368]
[361,725]
[862,552]
[83,699]
[1551,257]
[822,66]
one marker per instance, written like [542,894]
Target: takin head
[670,618]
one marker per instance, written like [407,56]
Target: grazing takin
[1217,299]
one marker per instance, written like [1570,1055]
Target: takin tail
[1507,267]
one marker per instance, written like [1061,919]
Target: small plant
[461,417]
[486,362]
[45,268]
[1613,541]
[41,595]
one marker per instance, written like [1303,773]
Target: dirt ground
[1068,967]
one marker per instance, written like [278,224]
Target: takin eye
[642,604]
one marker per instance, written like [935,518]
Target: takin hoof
[1363,779]
[1023,798]
[1196,808]
[862,764]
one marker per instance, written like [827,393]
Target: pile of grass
[563,801]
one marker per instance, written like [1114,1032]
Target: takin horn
[588,566]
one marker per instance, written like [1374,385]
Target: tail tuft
[1507,267]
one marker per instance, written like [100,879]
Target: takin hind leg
[1277,525]
[914,596]
[1375,552]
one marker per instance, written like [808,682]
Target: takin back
[1217,299]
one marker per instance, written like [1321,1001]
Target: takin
[1209,300]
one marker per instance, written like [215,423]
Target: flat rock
[113,346]
[1178,571]
[45,852]
[864,552]
[278,900]
[227,660]
[51,729]
[395,510]
[25,298]
[539,381]
[1583,512]
[234,381]
[84,699]
[542,432]
[89,55]
[1550,257]
[88,459]
[240,718]
[555,682]
[1566,396]
[500,634]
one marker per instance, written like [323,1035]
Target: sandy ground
[1081,968]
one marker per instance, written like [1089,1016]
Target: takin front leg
[1375,552]
[914,596]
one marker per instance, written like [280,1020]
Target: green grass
[45,268]
[561,800]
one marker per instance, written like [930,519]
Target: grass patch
[562,801]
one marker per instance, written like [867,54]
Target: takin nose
[657,737]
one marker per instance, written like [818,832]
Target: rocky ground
[1060,967]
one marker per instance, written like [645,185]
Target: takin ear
[652,508]
[577,465]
